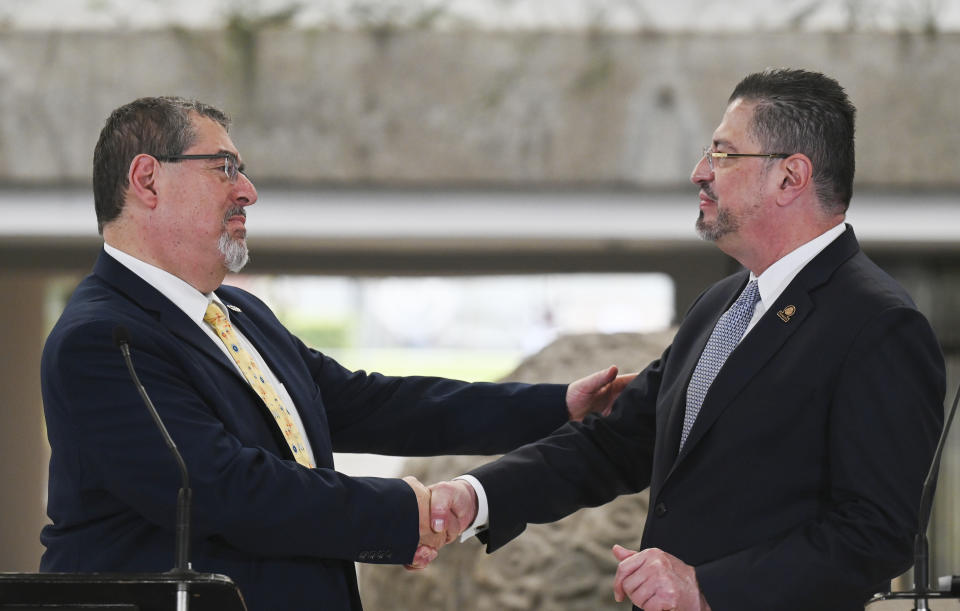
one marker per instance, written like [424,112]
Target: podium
[904,601]
[115,592]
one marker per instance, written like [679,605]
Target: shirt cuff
[480,523]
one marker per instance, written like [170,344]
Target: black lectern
[115,592]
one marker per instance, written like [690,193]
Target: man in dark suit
[786,432]
[255,412]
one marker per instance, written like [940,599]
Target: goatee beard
[234,250]
[724,224]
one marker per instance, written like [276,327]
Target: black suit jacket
[286,534]
[799,484]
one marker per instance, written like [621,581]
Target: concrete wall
[435,108]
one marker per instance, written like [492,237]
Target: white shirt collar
[190,300]
[775,278]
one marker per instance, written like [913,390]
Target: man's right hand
[446,510]
[453,508]
[430,541]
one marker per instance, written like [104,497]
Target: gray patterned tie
[725,337]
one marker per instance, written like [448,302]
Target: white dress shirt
[771,283]
[193,303]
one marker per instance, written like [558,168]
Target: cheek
[737,189]
[203,224]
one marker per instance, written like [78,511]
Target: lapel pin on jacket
[786,313]
[236,309]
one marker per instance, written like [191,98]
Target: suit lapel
[757,348]
[169,316]
[284,371]
[172,318]
[669,428]
[242,322]
[180,325]
[155,303]
[781,320]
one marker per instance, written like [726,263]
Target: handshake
[651,579]
[449,508]
[446,510]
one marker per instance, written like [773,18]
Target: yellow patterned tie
[291,432]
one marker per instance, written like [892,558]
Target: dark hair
[156,126]
[798,111]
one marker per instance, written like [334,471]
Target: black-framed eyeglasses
[713,155]
[231,167]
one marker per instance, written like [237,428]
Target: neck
[204,280]
[764,250]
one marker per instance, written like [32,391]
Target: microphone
[949,586]
[182,568]
[921,551]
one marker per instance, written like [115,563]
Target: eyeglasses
[712,155]
[231,167]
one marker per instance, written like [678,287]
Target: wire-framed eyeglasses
[712,156]
[231,167]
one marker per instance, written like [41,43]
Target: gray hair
[798,111]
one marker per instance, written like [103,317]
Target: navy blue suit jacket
[799,484]
[287,535]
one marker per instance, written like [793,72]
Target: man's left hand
[656,581]
[596,393]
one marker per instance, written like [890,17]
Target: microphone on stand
[948,586]
[182,568]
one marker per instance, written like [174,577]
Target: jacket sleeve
[413,415]
[428,416]
[580,465]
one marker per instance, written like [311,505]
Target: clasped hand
[652,579]
[449,508]
[446,510]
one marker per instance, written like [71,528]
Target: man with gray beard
[255,412]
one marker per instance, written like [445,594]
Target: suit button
[660,510]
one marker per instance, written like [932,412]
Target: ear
[796,178]
[142,179]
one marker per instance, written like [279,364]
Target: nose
[701,172]
[245,194]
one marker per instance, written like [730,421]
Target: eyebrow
[724,143]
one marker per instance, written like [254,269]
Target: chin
[234,251]
[236,266]
[704,229]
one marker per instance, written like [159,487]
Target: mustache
[235,211]
[706,190]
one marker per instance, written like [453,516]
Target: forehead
[211,137]
[734,129]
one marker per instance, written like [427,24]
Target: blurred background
[446,187]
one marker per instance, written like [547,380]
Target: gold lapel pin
[236,309]
[786,313]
